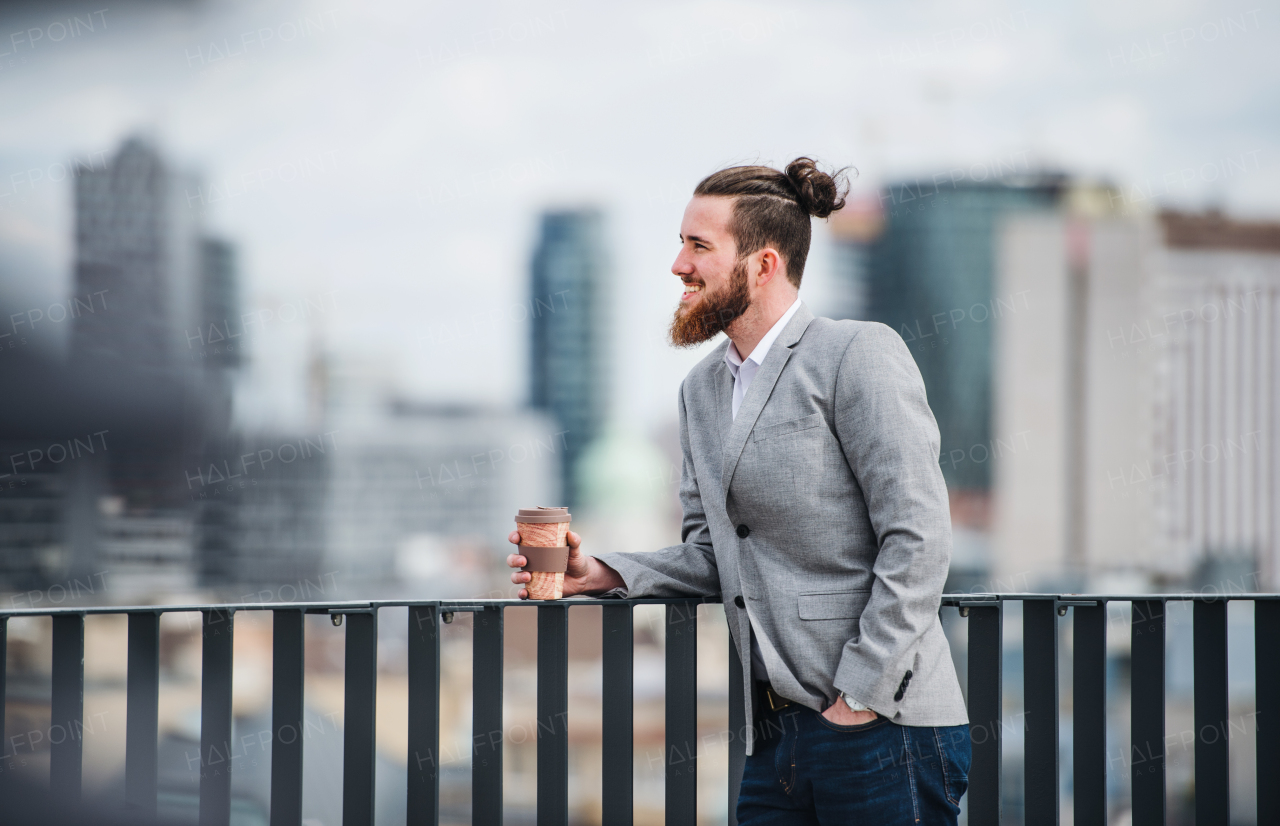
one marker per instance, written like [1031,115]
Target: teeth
[691,288]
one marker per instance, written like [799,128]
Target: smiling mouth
[690,290]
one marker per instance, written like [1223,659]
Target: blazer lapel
[759,391]
[724,403]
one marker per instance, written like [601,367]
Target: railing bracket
[337,619]
[447,616]
[1064,604]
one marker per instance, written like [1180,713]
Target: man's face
[715,281]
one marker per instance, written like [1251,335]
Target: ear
[770,263]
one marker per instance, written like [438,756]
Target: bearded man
[815,508]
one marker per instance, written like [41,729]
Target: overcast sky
[388,160]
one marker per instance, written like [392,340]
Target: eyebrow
[697,238]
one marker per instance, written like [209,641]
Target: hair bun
[818,193]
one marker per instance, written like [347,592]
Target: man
[815,506]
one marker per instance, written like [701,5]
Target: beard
[713,313]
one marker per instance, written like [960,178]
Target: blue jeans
[812,771]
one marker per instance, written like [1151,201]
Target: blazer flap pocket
[838,605]
[783,428]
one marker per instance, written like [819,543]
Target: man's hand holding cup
[582,575]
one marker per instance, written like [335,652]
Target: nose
[683,265]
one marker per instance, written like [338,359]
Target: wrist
[604,577]
[578,585]
[599,578]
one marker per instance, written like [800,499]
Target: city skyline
[440,219]
[301,301]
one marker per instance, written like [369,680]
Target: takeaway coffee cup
[543,544]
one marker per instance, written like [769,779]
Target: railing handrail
[351,605]
[949,600]
[955,600]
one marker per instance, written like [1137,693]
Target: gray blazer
[821,505]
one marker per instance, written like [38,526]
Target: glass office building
[930,275]
[569,321]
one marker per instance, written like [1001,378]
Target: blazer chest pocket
[833,605]
[770,431]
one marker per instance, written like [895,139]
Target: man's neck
[746,331]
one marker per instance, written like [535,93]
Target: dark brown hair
[772,208]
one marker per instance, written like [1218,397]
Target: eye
[699,246]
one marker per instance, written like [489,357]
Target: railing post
[617,712]
[486,717]
[1147,715]
[986,628]
[1266,642]
[287,715]
[1040,693]
[681,758]
[359,717]
[4,658]
[66,717]
[142,718]
[423,805]
[553,714]
[1209,632]
[215,717]
[1089,714]
[737,730]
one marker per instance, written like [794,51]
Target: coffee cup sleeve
[552,560]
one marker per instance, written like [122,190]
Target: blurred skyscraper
[137,247]
[131,389]
[921,260]
[217,345]
[930,276]
[569,323]
[219,303]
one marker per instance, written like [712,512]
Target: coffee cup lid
[543,515]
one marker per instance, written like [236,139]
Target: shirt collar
[758,355]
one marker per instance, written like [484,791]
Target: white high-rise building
[1217,438]
[1144,376]
[425,499]
[419,498]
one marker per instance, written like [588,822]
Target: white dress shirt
[744,370]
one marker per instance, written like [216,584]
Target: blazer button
[739,601]
[897,698]
[744,531]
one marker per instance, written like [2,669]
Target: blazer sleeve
[687,569]
[890,439]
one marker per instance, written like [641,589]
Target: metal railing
[1040,633]
[1147,763]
